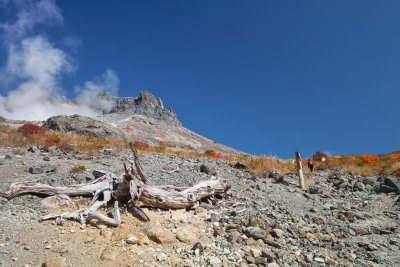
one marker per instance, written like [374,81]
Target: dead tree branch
[130,189]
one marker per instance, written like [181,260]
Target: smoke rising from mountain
[35,66]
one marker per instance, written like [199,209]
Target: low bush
[31,129]
[370,159]
[213,154]
[77,169]
[141,145]
[161,148]
[263,165]
[54,138]
[394,156]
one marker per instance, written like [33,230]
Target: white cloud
[37,66]
[107,82]
[30,14]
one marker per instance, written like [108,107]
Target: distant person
[310,165]
[323,159]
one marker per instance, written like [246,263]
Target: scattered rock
[53,151]
[50,168]
[359,186]
[178,215]
[198,249]
[55,262]
[240,165]
[277,233]
[108,254]
[201,212]
[187,233]
[132,240]
[214,217]
[161,256]
[319,260]
[35,170]
[255,252]
[106,233]
[208,169]
[214,261]
[256,232]
[393,183]
[160,235]
[371,247]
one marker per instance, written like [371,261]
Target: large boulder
[82,125]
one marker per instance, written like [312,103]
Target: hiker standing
[310,165]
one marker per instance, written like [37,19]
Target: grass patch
[77,169]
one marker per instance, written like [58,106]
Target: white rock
[214,261]
[161,256]
[319,260]
[255,252]
[132,239]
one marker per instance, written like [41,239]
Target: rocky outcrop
[81,125]
[146,104]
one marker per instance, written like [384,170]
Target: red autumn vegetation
[141,145]
[31,129]
[213,154]
[394,156]
[370,159]
[30,134]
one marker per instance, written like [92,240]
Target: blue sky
[265,77]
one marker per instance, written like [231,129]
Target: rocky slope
[341,220]
[142,118]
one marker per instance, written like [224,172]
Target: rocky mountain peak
[145,104]
[146,98]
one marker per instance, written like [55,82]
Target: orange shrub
[370,159]
[54,138]
[394,156]
[162,146]
[141,145]
[213,154]
[31,129]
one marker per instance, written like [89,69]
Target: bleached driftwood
[129,189]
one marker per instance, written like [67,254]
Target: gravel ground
[341,220]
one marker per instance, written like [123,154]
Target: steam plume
[35,66]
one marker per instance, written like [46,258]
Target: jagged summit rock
[145,104]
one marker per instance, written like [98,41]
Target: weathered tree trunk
[89,189]
[126,190]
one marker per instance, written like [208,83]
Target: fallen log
[130,189]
